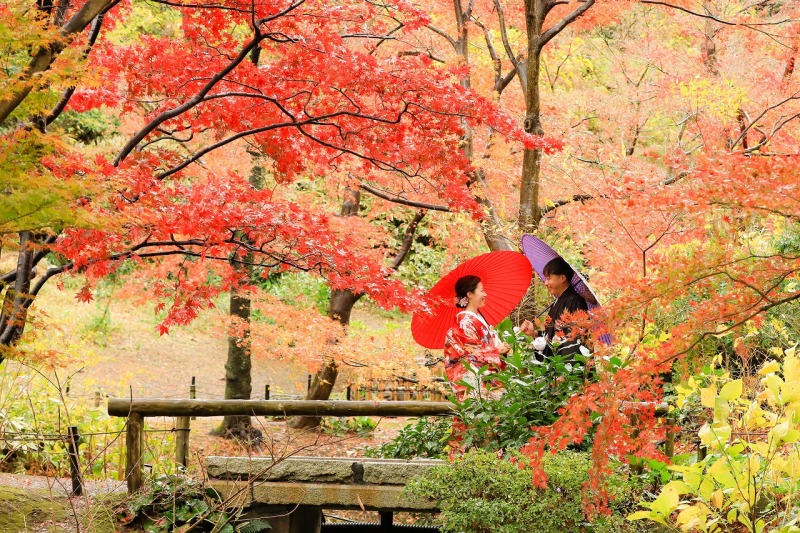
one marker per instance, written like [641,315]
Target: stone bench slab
[319,469]
[323,495]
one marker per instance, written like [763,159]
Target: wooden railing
[137,410]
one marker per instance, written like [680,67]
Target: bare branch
[444,34]
[408,240]
[747,128]
[566,21]
[518,66]
[712,17]
[558,203]
[402,201]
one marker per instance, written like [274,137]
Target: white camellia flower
[539,343]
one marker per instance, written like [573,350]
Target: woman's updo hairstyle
[464,285]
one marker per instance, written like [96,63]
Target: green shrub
[172,503]
[363,426]
[535,391]
[480,492]
[427,437]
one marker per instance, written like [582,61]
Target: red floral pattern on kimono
[473,339]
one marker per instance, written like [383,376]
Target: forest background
[181,154]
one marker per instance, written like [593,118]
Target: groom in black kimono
[558,275]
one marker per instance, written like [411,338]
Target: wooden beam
[157,407]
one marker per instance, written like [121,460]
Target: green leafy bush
[363,426]
[750,476]
[426,437]
[481,492]
[535,391]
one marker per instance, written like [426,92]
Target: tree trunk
[238,378]
[238,375]
[341,305]
[529,211]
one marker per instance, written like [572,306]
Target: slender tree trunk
[529,211]
[238,377]
[491,225]
[14,311]
[709,48]
[340,308]
[238,366]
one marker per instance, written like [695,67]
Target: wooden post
[266,392]
[74,463]
[309,383]
[305,519]
[348,393]
[182,427]
[669,446]
[134,440]
[192,391]
[120,458]
[702,452]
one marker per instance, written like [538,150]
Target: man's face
[556,284]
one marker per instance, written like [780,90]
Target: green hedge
[480,492]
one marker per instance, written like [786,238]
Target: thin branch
[201,6]
[507,44]
[194,101]
[566,21]
[402,201]
[444,34]
[759,117]
[408,240]
[94,32]
[558,203]
[758,311]
[295,124]
[712,17]
[199,97]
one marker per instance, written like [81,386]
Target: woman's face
[477,297]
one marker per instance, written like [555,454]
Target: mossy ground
[37,510]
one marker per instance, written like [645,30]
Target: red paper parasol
[506,277]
